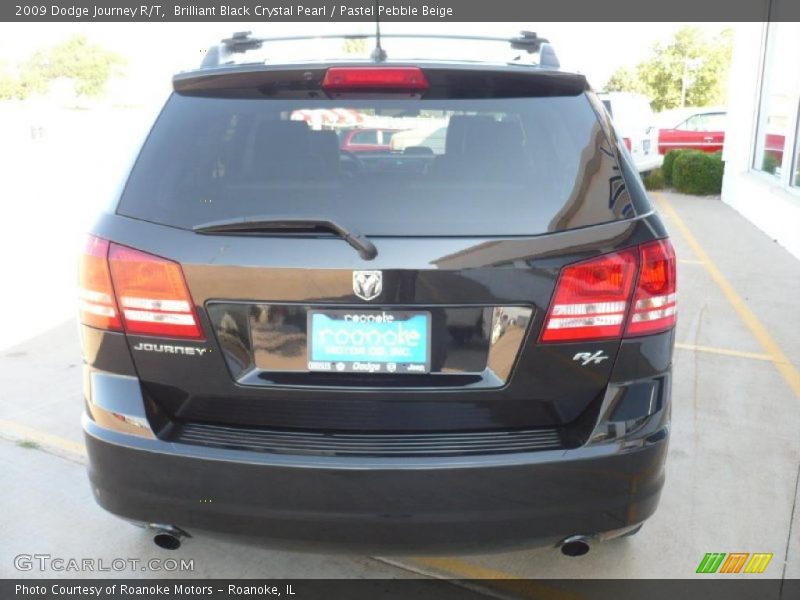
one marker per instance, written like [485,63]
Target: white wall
[764,200]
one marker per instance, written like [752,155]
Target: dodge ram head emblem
[367,285]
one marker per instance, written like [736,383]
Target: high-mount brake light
[96,304]
[593,298]
[654,303]
[152,294]
[345,79]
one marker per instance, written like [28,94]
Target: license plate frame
[358,347]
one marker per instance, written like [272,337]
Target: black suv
[461,342]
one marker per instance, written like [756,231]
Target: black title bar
[400,10]
[745,587]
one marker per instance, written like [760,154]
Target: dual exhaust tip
[170,537]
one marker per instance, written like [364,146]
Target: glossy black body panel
[475,504]
[546,386]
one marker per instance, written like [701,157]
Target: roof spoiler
[244,41]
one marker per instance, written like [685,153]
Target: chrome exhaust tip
[168,537]
[575,545]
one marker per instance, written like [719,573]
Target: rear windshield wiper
[366,249]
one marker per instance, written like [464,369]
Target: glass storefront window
[796,178]
[777,116]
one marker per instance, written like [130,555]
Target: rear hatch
[304,328]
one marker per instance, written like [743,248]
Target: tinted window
[365,137]
[515,166]
[705,122]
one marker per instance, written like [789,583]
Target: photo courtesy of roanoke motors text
[392,299]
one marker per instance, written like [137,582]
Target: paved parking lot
[732,481]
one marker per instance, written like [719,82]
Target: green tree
[624,80]
[89,65]
[355,46]
[690,70]
[8,82]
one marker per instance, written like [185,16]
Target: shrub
[770,163]
[669,161]
[695,172]
[654,180]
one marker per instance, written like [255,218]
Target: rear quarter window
[460,167]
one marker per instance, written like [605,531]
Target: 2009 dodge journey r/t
[461,342]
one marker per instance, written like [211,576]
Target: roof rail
[243,41]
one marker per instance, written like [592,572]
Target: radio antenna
[378,54]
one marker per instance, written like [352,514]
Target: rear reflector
[96,304]
[654,304]
[592,298]
[152,294]
[628,145]
[342,79]
[122,289]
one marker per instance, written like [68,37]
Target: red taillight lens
[96,304]
[591,299]
[342,79]
[152,294]
[654,304]
[627,142]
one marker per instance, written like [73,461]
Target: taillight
[627,142]
[148,291]
[654,303]
[342,79]
[592,299]
[96,304]
[152,294]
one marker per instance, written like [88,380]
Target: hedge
[669,161]
[655,180]
[696,172]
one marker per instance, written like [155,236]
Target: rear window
[462,167]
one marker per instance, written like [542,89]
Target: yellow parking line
[724,352]
[500,580]
[777,356]
[23,432]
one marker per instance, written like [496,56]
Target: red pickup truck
[366,139]
[706,131]
[702,131]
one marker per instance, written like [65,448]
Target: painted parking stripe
[724,352]
[497,580]
[787,370]
[18,431]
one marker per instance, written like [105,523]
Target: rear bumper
[389,505]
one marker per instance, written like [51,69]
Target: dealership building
[762,145]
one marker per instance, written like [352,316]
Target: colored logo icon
[734,562]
